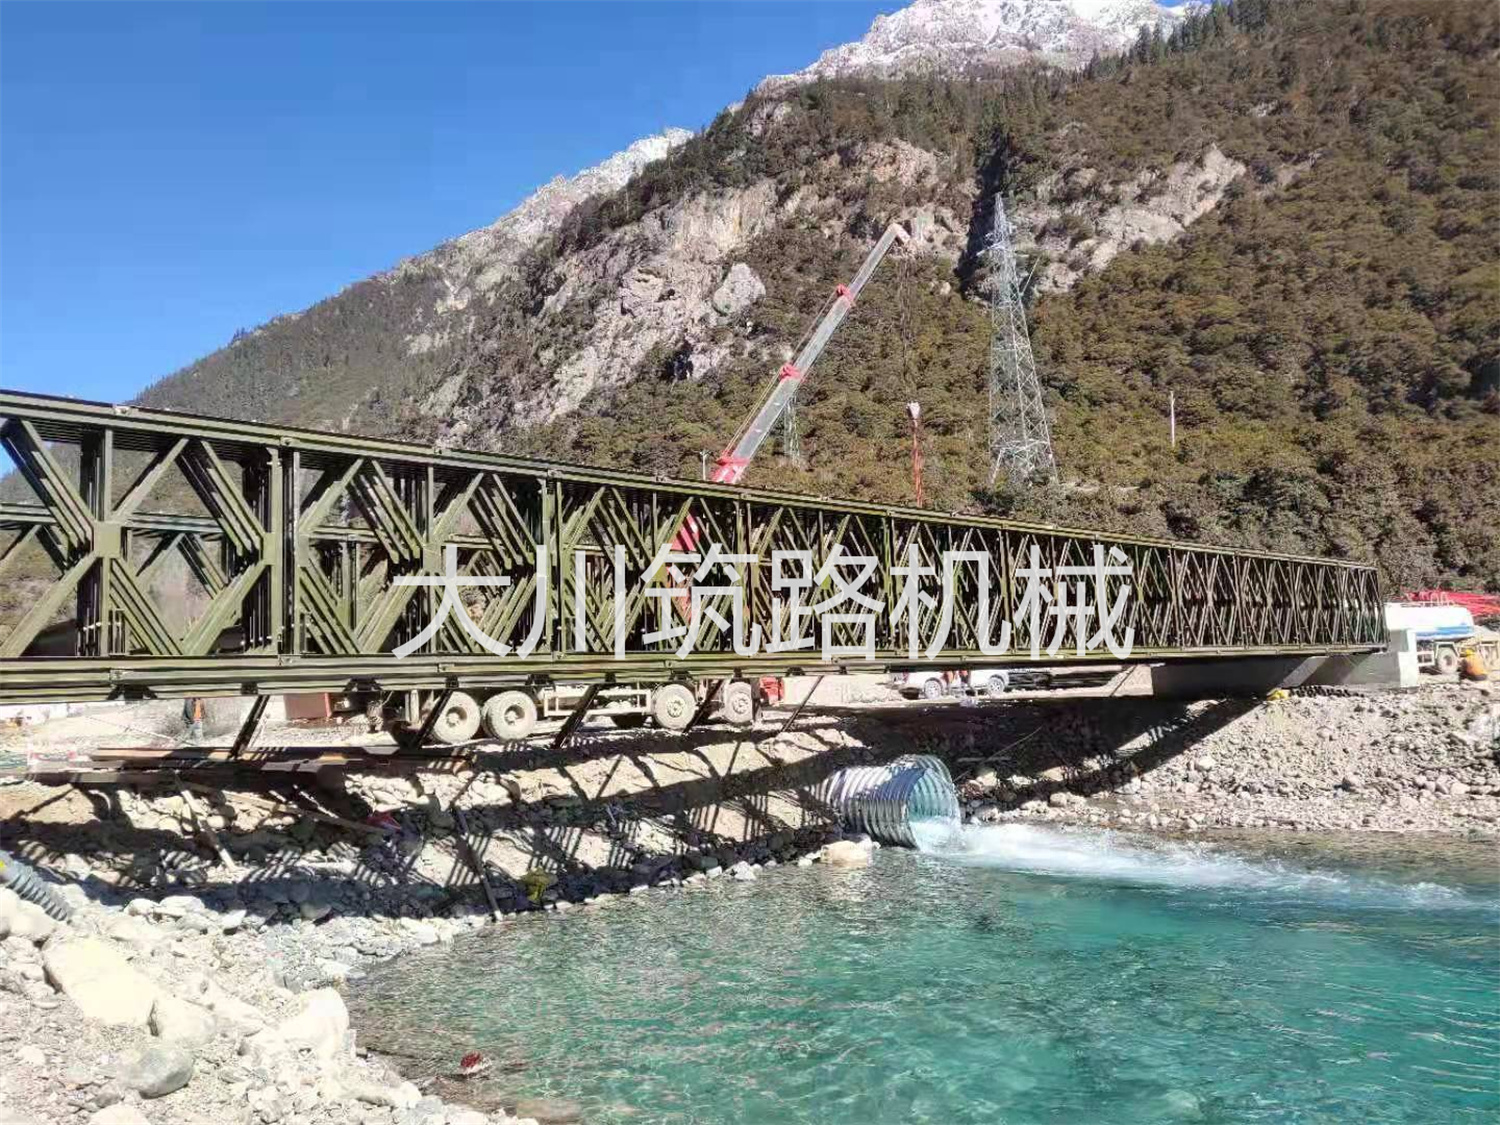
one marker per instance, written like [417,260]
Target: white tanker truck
[1443,632]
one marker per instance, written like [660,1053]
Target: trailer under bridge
[174,555]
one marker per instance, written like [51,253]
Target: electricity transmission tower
[1020,440]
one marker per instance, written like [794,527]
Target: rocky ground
[1421,761]
[198,979]
[168,1011]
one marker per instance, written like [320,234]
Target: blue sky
[170,173]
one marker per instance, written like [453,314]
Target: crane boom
[732,463]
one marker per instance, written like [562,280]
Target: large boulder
[740,289]
[178,1021]
[847,853]
[403,1096]
[230,1010]
[121,1113]
[320,1027]
[19,918]
[157,1070]
[136,933]
[95,975]
[178,906]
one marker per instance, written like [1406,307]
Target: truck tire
[672,706]
[459,721]
[511,715]
[934,689]
[997,685]
[739,703]
[1445,659]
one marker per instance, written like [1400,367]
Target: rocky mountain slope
[347,361]
[350,356]
[1284,213]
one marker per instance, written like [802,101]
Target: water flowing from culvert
[1097,854]
[912,801]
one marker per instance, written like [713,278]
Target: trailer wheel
[1445,659]
[672,706]
[511,715]
[459,721]
[739,703]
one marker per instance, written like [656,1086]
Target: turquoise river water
[1004,974]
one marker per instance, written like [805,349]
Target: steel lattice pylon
[1020,439]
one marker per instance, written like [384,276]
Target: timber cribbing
[201,556]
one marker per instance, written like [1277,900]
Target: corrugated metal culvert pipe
[883,800]
[28,884]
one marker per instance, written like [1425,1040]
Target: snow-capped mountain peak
[959,35]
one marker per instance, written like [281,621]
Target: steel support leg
[710,697]
[576,717]
[786,726]
[417,739]
[473,859]
[250,727]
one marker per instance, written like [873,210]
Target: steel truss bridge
[183,555]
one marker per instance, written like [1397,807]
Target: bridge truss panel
[188,555]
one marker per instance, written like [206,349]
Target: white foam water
[1113,857]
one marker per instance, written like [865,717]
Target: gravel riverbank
[1420,761]
[198,980]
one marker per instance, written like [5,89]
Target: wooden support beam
[290,807]
[204,829]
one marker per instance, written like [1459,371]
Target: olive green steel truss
[191,555]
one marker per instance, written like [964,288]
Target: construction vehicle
[930,683]
[778,399]
[1444,633]
[513,713]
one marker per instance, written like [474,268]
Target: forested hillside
[1328,317]
[1330,330]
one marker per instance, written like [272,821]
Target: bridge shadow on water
[610,810]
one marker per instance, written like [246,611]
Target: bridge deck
[193,555]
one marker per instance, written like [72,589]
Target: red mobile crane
[732,463]
[730,468]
